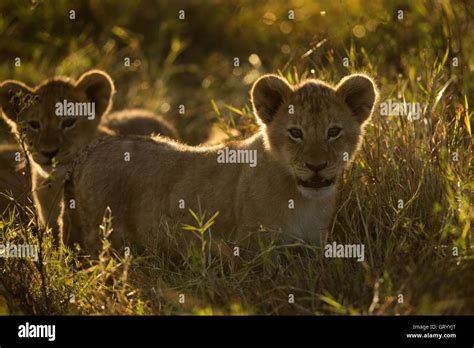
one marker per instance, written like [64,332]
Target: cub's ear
[99,88]
[268,93]
[359,93]
[14,96]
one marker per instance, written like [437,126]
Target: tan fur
[162,172]
[13,179]
[138,122]
[48,136]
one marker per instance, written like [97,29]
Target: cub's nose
[49,153]
[316,168]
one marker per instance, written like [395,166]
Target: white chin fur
[315,193]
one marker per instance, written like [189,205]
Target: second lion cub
[283,178]
[53,140]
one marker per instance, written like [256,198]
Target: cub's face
[314,129]
[36,116]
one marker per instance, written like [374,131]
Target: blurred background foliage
[190,61]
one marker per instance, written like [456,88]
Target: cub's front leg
[47,196]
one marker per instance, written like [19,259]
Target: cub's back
[138,122]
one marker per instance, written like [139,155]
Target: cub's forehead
[318,99]
[311,88]
[56,89]
[49,94]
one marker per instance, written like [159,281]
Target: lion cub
[283,178]
[54,131]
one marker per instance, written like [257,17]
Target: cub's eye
[68,123]
[334,132]
[34,125]
[295,133]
